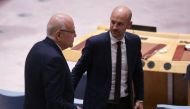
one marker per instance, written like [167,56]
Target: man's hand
[78,107]
[139,105]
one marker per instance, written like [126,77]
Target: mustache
[115,30]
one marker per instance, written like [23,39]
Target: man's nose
[115,26]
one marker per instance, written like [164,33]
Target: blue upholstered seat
[11,99]
[165,106]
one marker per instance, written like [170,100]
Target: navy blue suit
[96,60]
[48,82]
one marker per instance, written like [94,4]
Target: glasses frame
[72,32]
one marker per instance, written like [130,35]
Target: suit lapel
[129,53]
[108,53]
[130,64]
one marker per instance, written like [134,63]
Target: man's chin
[71,46]
[116,35]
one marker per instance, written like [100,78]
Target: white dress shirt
[124,67]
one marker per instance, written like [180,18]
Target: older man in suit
[113,64]
[48,82]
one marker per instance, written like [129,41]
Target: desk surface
[161,52]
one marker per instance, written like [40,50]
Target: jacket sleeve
[83,63]
[57,85]
[138,77]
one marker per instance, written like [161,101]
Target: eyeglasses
[72,32]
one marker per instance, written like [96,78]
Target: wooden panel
[155,89]
[180,90]
[189,92]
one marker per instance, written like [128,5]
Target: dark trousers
[123,104]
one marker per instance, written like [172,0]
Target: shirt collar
[54,41]
[114,40]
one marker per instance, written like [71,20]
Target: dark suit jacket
[48,82]
[96,60]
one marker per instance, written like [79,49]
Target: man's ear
[129,25]
[58,36]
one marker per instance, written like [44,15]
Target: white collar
[114,40]
[54,41]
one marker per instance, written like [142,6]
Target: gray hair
[51,29]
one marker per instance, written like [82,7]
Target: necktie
[118,73]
